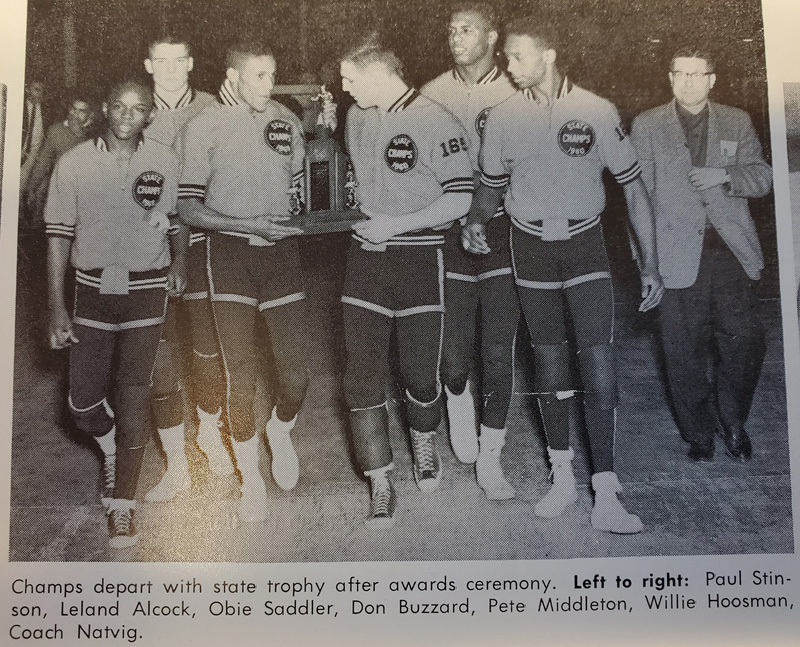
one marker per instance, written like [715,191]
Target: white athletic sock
[107,442]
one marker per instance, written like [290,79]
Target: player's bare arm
[641,217]
[196,214]
[379,228]
[484,205]
[60,323]
[179,245]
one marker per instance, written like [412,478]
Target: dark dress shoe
[701,453]
[737,444]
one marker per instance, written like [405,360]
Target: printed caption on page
[102,610]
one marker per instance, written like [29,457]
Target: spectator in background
[32,127]
[61,136]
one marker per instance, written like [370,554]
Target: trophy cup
[329,187]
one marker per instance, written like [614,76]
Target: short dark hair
[692,52]
[169,38]
[130,84]
[372,50]
[483,9]
[81,94]
[244,48]
[539,28]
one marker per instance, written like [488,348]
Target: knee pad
[455,381]
[95,420]
[168,409]
[361,393]
[552,370]
[208,380]
[423,416]
[497,357]
[598,370]
[133,413]
[368,434]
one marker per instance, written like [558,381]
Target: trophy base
[326,222]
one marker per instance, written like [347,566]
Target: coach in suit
[701,161]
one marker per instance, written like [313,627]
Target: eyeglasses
[692,76]
[159,62]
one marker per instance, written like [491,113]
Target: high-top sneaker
[563,492]
[462,424]
[253,504]
[382,499]
[108,478]
[608,513]
[121,531]
[427,466]
[285,464]
[176,478]
[209,440]
[488,471]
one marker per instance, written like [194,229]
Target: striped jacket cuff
[459,185]
[186,191]
[629,174]
[62,231]
[495,181]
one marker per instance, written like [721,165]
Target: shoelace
[122,521]
[109,474]
[423,452]
[381,498]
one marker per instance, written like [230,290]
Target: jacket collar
[227,94]
[101,145]
[185,100]
[405,100]
[566,88]
[491,76]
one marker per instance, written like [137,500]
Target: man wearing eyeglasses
[701,161]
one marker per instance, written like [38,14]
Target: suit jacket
[681,210]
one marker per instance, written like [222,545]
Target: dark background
[617,48]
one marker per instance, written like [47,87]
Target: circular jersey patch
[147,189]
[480,121]
[576,138]
[278,134]
[401,154]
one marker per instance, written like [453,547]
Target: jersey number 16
[453,146]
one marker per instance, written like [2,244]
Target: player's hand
[60,329]
[473,238]
[705,177]
[378,228]
[270,227]
[159,220]
[176,277]
[652,290]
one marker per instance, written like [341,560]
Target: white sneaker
[608,514]
[209,440]
[285,464]
[488,471]
[174,481]
[462,425]
[563,492]
[252,506]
